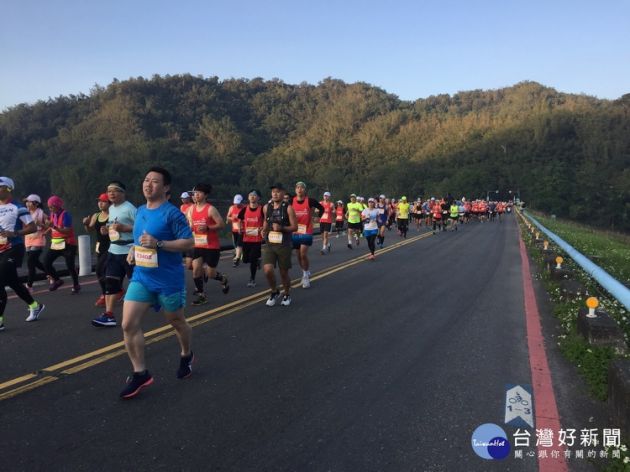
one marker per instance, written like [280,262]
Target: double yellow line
[25,383]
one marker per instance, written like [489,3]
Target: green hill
[566,154]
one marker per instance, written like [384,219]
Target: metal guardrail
[612,285]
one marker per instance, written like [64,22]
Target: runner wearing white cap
[302,239]
[325,221]
[236,225]
[35,242]
[15,223]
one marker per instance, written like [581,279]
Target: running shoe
[251,283]
[100,301]
[55,284]
[135,383]
[349,246]
[225,286]
[235,262]
[185,366]
[322,252]
[286,300]
[33,313]
[306,280]
[271,301]
[104,321]
[200,300]
[76,289]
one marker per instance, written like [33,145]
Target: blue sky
[409,48]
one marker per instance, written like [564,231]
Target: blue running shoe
[104,320]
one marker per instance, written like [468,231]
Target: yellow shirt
[403,211]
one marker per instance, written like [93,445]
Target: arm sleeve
[67,220]
[25,216]
[315,204]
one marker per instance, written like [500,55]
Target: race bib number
[114,235]
[201,239]
[301,229]
[325,216]
[236,227]
[275,237]
[57,244]
[251,232]
[146,257]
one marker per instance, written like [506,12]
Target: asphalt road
[387,365]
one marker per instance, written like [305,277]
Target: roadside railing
[607,281]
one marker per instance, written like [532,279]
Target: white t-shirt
[369,216]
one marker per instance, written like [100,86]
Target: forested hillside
[566,154]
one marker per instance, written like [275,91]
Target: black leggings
[33,262]
[9,261]
[370,241]
[69,253]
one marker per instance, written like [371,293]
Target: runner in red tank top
[340,214]
[252,219]
[303,237]
[237,231]
[205,221]
[325,221]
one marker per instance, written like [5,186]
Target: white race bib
[251,231]
[236,227]
[146,257]
[58,244]
[201,239]
[325,216]
[275,237]
[114,235]
[301,229]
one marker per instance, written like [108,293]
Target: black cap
[205,188]
[256,191]
[277,185]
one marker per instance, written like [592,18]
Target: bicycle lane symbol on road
[519,407]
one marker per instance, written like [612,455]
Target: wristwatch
[159,244]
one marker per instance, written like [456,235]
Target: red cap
[103,198]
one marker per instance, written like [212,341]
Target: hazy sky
[409,48]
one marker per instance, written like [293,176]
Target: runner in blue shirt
[160,234]
[15,222]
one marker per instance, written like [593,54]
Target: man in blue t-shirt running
[160,235]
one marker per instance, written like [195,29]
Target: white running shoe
[306,281]
[286,300]
[271,301]
[33,313]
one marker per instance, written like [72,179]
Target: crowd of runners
[155,244]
